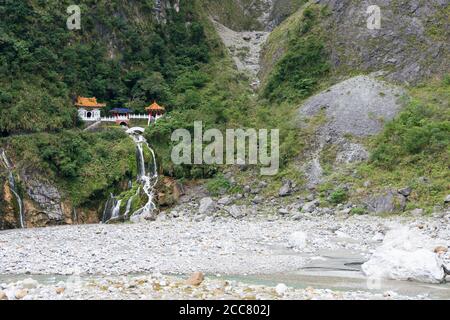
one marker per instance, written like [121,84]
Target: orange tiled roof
[155,107]
[89,102]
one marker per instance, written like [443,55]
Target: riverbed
[253,252]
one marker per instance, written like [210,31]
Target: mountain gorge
[362,113]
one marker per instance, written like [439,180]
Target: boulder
[388,202]
[195,279]
[440,249]
[351,153]
[207,206]
[405,255]
[281,289]
[283,211]
[225,201]
[235,211]
[3,296]
[405,191]
[258,200]
[29,283]
[21,293]
[297,217]
[447,199]
[417,212]
[286,189]
[60,290]
[310,206]
[297,240]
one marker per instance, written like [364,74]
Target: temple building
[155,111]
[89,108]
[122,115]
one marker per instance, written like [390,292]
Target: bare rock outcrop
[353,109]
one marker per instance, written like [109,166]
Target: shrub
[218,185]
[358,211]
[338,196]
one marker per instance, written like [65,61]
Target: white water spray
[149,179]
[12,185]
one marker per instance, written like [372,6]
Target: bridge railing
[123,118]
[139,116]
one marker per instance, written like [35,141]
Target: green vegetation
[358,211]
[297,73]
[84,165]
[414,149]
[218,185]
[338,196]
[121,55]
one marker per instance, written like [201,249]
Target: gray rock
[402,46]
[235,211]
[313,172]
[283,211]
[286,189]
[29,283]
[207,206]
[297,217]
[417,212]
[199,218]
[447,199]
[388,202]
[258,200]
[405,191]
[247,189]
[46,196]
[161,217]
[310,206]
[351,153]
[358,107]
[423,180]
[262,184]
[225,201]
[255,191]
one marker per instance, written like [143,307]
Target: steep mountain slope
[411,45]
[326,42]
[323,74]
[126,54]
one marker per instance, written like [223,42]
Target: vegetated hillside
[326,42]
[126,54]
[122,55]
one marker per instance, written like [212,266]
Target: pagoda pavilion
[155,111]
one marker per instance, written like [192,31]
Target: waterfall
[147,179]
[12,185]
[116,211]
[75,216]
[130,202]
[109,207]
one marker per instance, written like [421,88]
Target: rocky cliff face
[351,110]
[412,44]
[43,204]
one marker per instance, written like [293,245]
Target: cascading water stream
[116,211]
[148,180]
[12,185]
[130,202]
[109,207]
